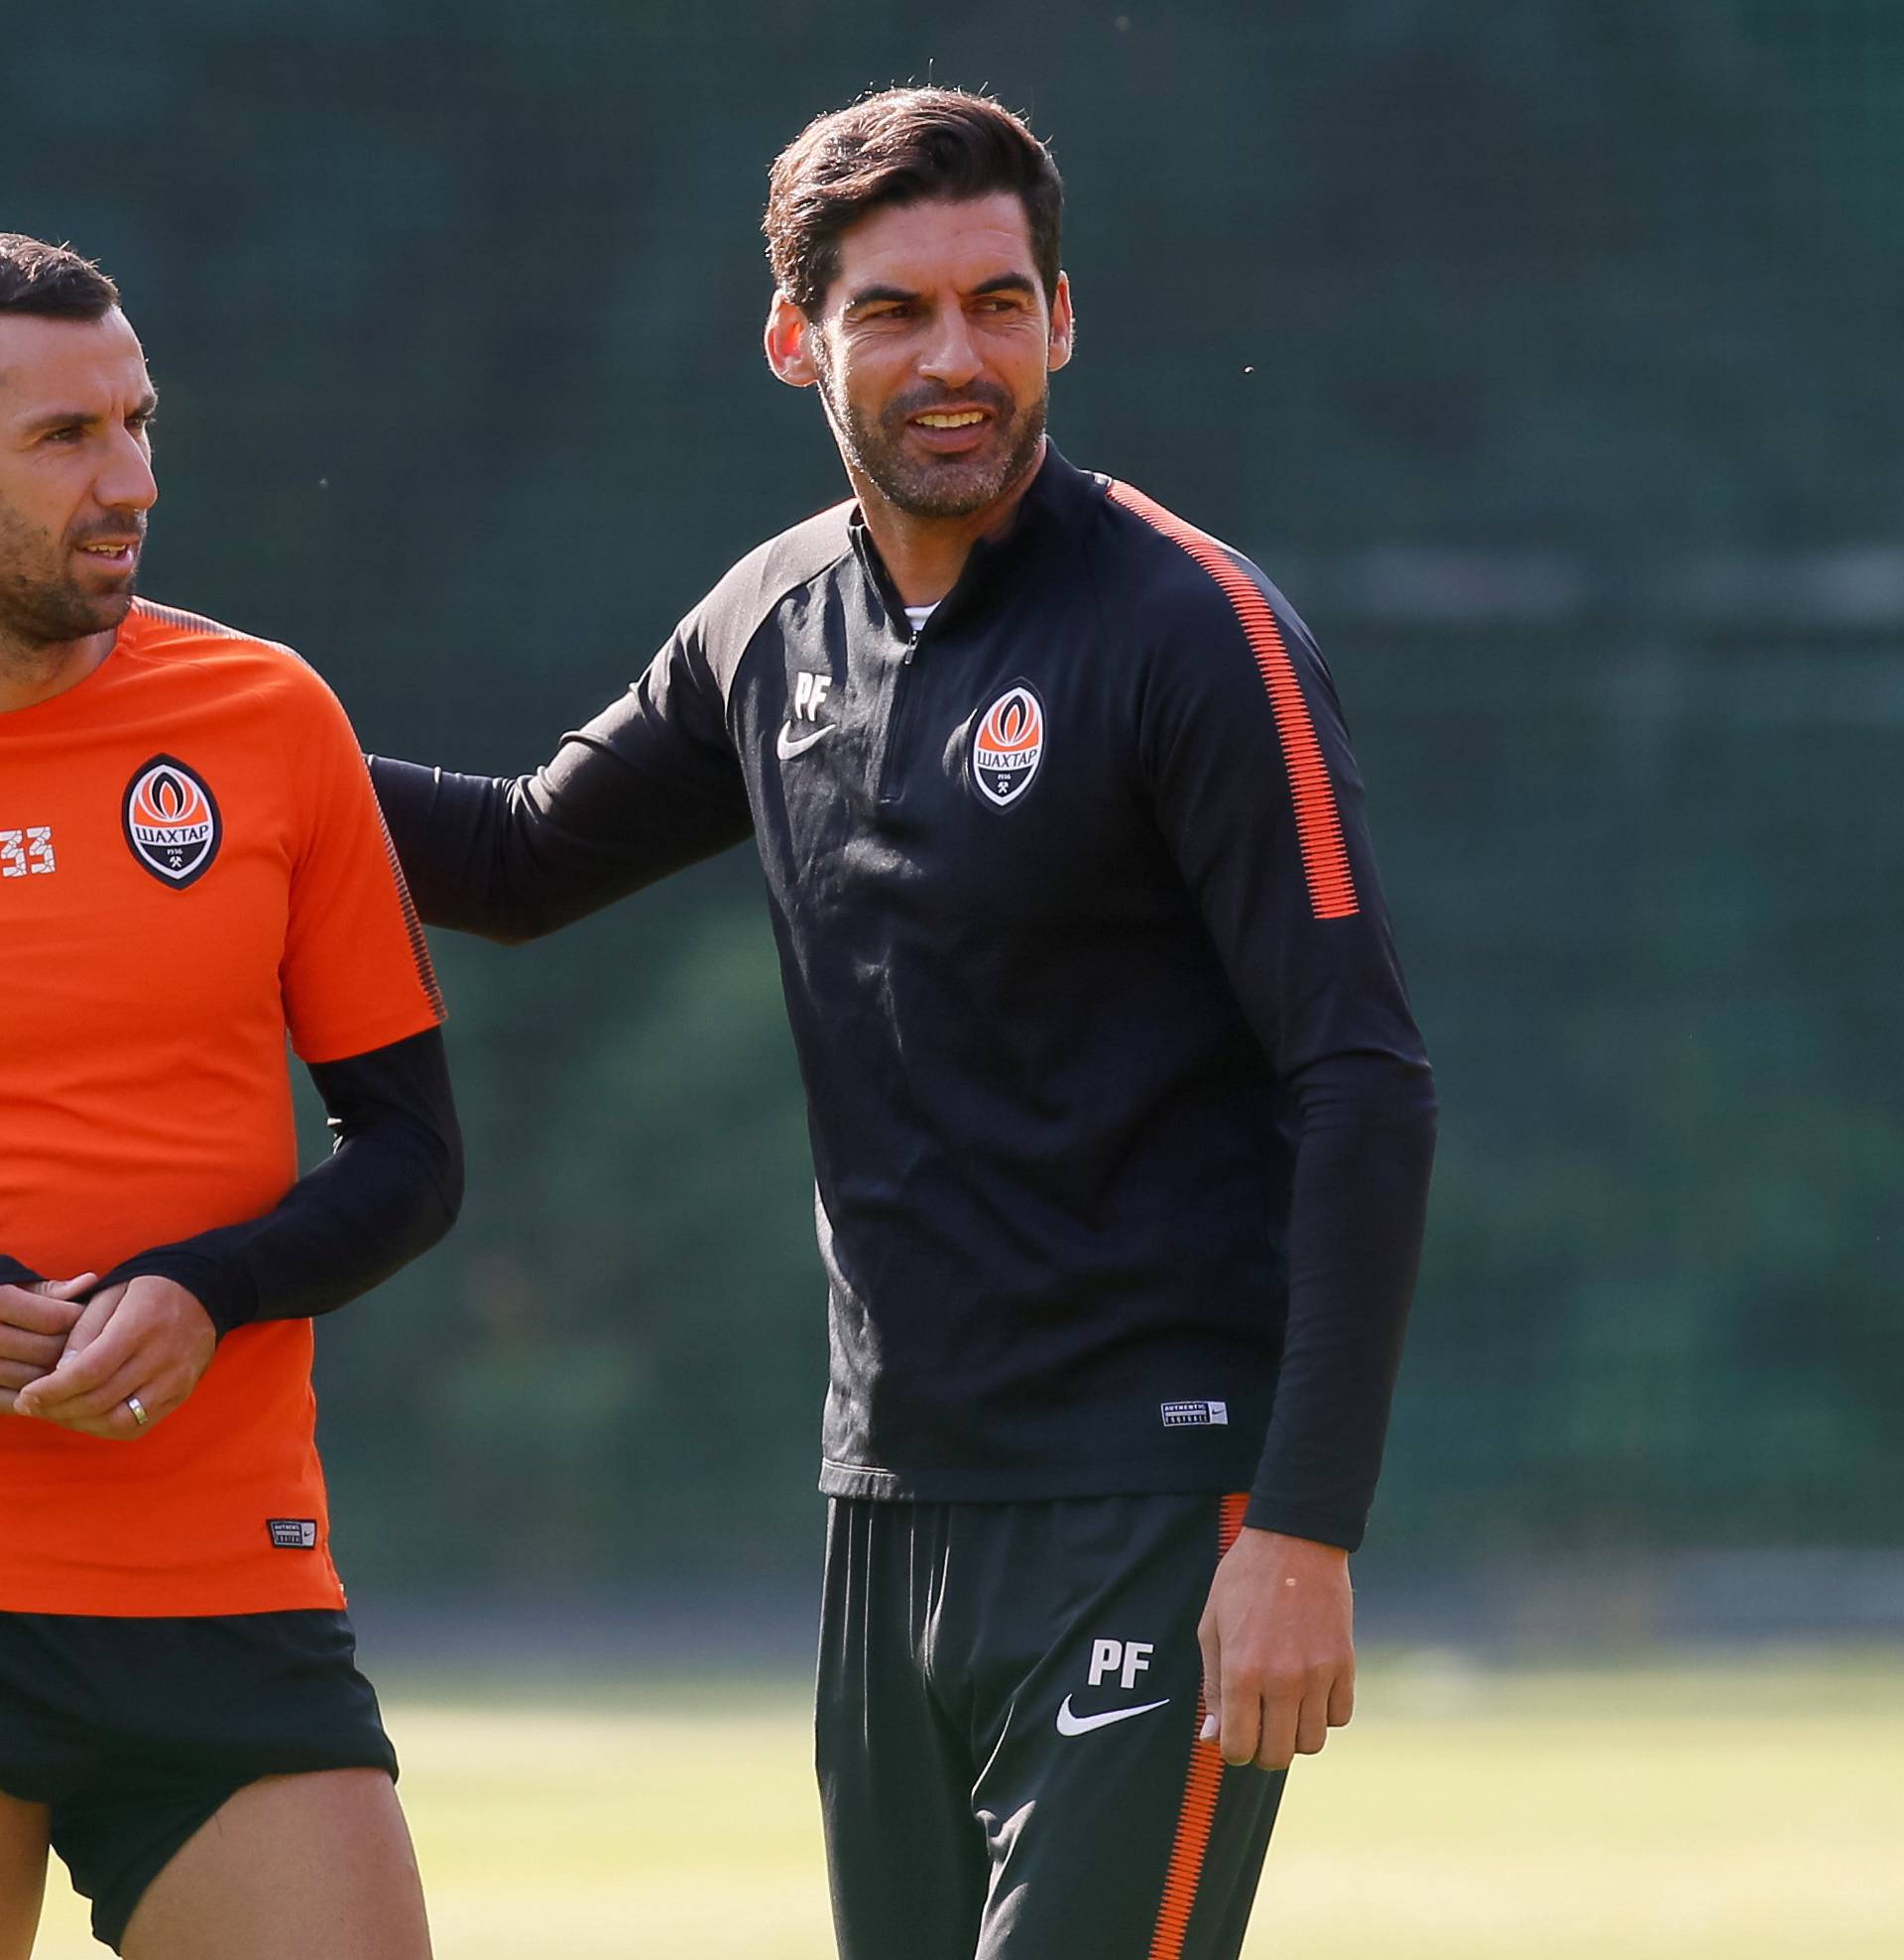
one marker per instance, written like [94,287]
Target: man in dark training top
[1121,1122]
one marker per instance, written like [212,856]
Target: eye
[69,434]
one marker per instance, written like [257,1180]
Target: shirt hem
[1217,1476]
[117,1598]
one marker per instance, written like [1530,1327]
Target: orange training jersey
[193,866]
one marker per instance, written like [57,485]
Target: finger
[1212,1678]
[118,1424]
[17,1374]
[37,1351]
[94,1319]
[76,1386]
[1312,1724]
[35,1312]
[66,1289]
[1341,1699]
[1276,1743]
[69,1410]
[1238,1718]
[94,1347]
[122,1426]
[97,1405]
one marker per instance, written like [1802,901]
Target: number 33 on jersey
[27,852]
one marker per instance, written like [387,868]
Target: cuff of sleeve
[225,1294]
[13,1274]
[1295,1520]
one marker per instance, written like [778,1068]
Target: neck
[925,554]
[30,675]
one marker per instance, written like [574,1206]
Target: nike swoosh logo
[1082,1725]
[789,744]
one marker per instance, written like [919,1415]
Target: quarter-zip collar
[1054,490]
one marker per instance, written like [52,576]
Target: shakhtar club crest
[1008,745]
[171,821]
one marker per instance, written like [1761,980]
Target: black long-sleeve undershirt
[389,1191]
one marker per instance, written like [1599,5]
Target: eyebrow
[874,295]
[146,406]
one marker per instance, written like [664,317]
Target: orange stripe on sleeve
[413,927]
[1325,857]
[1201,1789]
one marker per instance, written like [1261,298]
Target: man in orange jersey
[191,868]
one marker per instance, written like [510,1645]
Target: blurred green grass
[1752,1809]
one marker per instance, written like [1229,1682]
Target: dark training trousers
[1008,1709]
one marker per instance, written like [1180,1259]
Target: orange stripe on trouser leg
[1199,1811]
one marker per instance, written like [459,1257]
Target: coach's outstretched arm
[650,786]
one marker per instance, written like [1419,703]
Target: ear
[1063,325]
[786,343]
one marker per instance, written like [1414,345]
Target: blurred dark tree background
[1545,352]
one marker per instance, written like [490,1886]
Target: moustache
[110,533]
[922,401]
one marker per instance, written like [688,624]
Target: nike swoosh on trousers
[1081,1725]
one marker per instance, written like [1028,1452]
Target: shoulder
[734,611]
[1174,577]
[1202,620]
[205,654]
[253,703]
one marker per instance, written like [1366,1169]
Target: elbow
[1374,1085]
[449,1192]
[506,929]
[449,1182]
[433,1179]
[1427,1100]
[518,908]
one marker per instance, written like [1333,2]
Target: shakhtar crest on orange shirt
[1008,745]
[171,821]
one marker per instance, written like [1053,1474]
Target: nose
[125,481]
[950,358]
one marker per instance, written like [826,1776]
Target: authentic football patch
[1194,1414]
[1008,745]
[294,1533]
[171,821]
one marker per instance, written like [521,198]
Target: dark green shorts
[134,1732]
[1009,1702]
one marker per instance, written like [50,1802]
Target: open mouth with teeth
[957,419]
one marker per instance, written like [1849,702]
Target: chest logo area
[1007,744]
[803,729]
[171,821]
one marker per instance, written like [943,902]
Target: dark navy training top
[1121,1122]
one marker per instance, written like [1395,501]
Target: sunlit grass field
[1750,1811]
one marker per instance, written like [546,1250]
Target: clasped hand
[75,1357]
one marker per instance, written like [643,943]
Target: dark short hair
[906,146]
[52,280]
